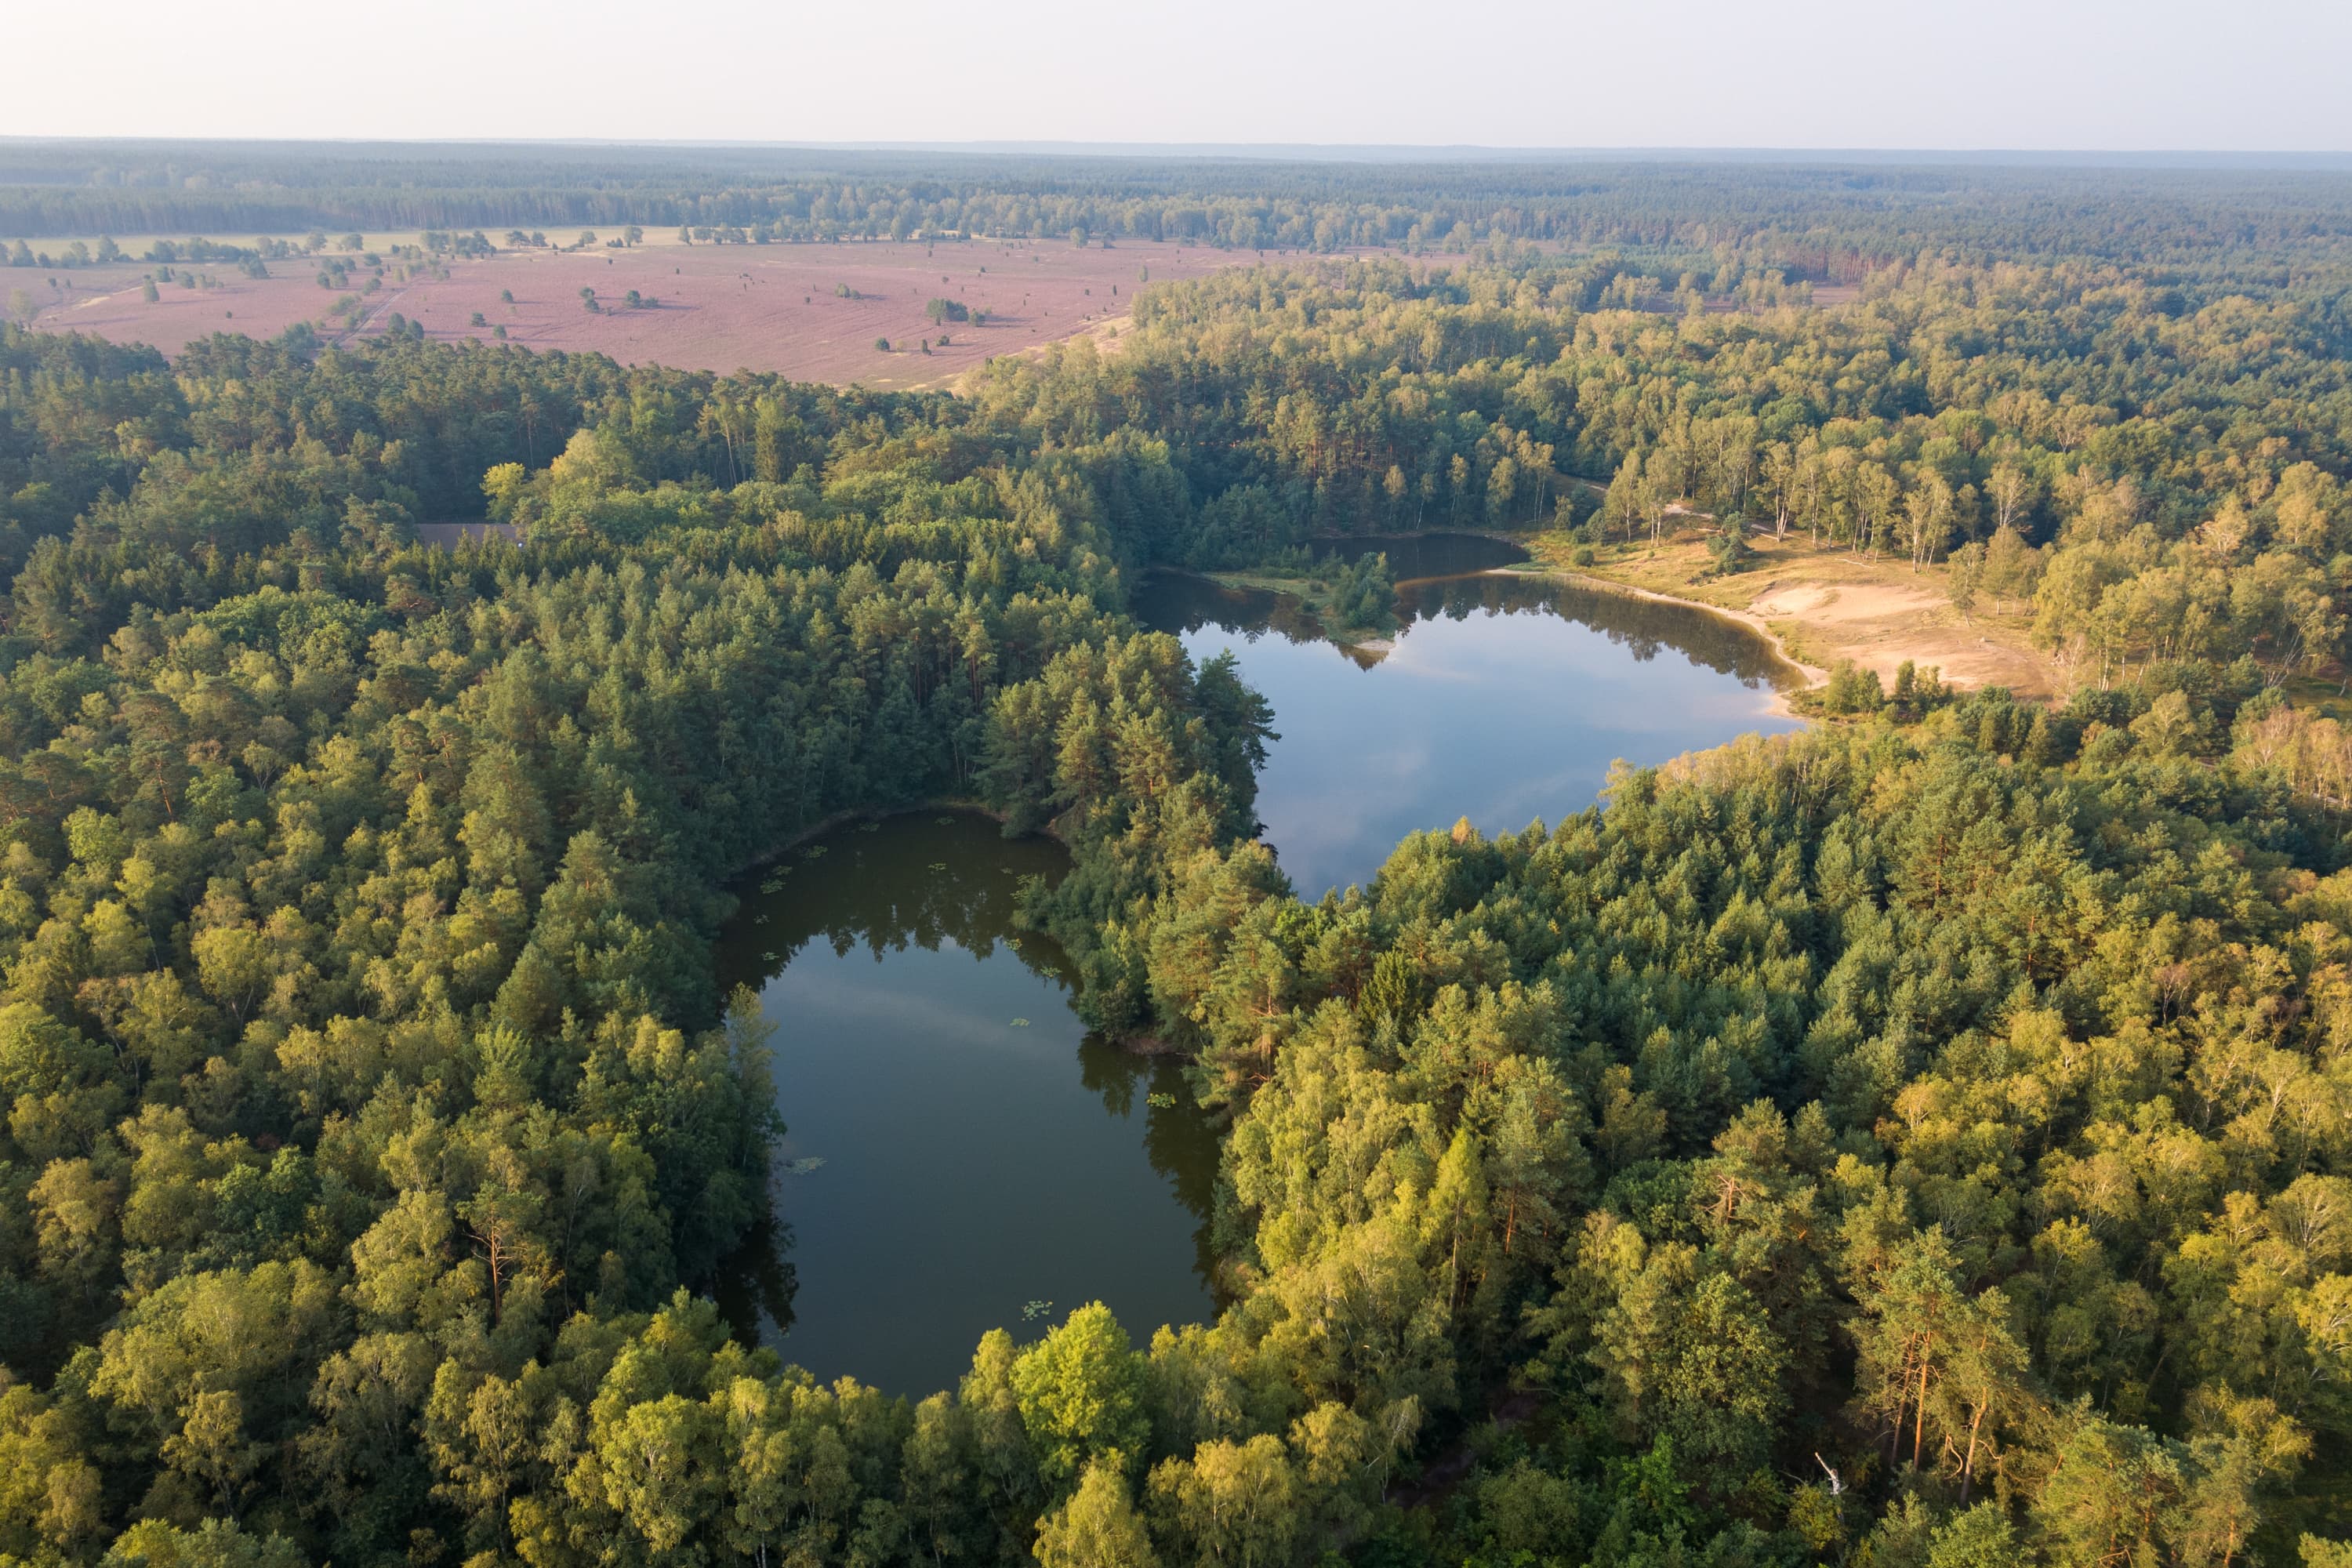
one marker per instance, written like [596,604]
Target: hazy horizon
[2018,77]
[1312,151]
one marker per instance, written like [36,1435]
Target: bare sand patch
[1879,625]
[1825,606]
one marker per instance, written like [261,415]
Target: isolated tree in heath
[1966,576]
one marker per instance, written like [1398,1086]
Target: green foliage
[361,1085]
[1728,547]
[1364,597]
[1081,1392]
[1096,1527]
[1853,688]
[1918,1140]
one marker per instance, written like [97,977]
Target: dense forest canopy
[1821,218]
[1926,1140]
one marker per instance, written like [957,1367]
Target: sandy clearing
[1821,606]
[1880,625]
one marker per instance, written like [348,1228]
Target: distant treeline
[1817,220]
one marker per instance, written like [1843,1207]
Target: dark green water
[1416,557]
[979,1151]
[1504,697]
[958,1148]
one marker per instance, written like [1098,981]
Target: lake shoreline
[1143,1046]
[1831,609]
[926,1051]
[1837,607]
[836,821]
[1508,689]
[1814,677]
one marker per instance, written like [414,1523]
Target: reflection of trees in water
[1643,626]
[1413,556]
[1454,574]
[1178,1137]
[908,882]
[756,1280]
[919,881]
[1181,604]
[1176,601]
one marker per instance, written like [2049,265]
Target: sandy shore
[1819,607]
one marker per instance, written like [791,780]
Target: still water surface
[978,1153]
[1502,699]
[959,1150]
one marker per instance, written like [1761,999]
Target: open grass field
[722,308]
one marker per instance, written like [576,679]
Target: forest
[1637,1188]
[1816,220]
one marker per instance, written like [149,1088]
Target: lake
[1503,698]
[961,1156]
[958,1149]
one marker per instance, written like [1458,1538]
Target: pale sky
[2071,74]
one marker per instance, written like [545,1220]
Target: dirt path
[369,321]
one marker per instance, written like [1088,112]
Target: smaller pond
[959,1147]
[1502,697]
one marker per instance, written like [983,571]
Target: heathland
[815,311]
